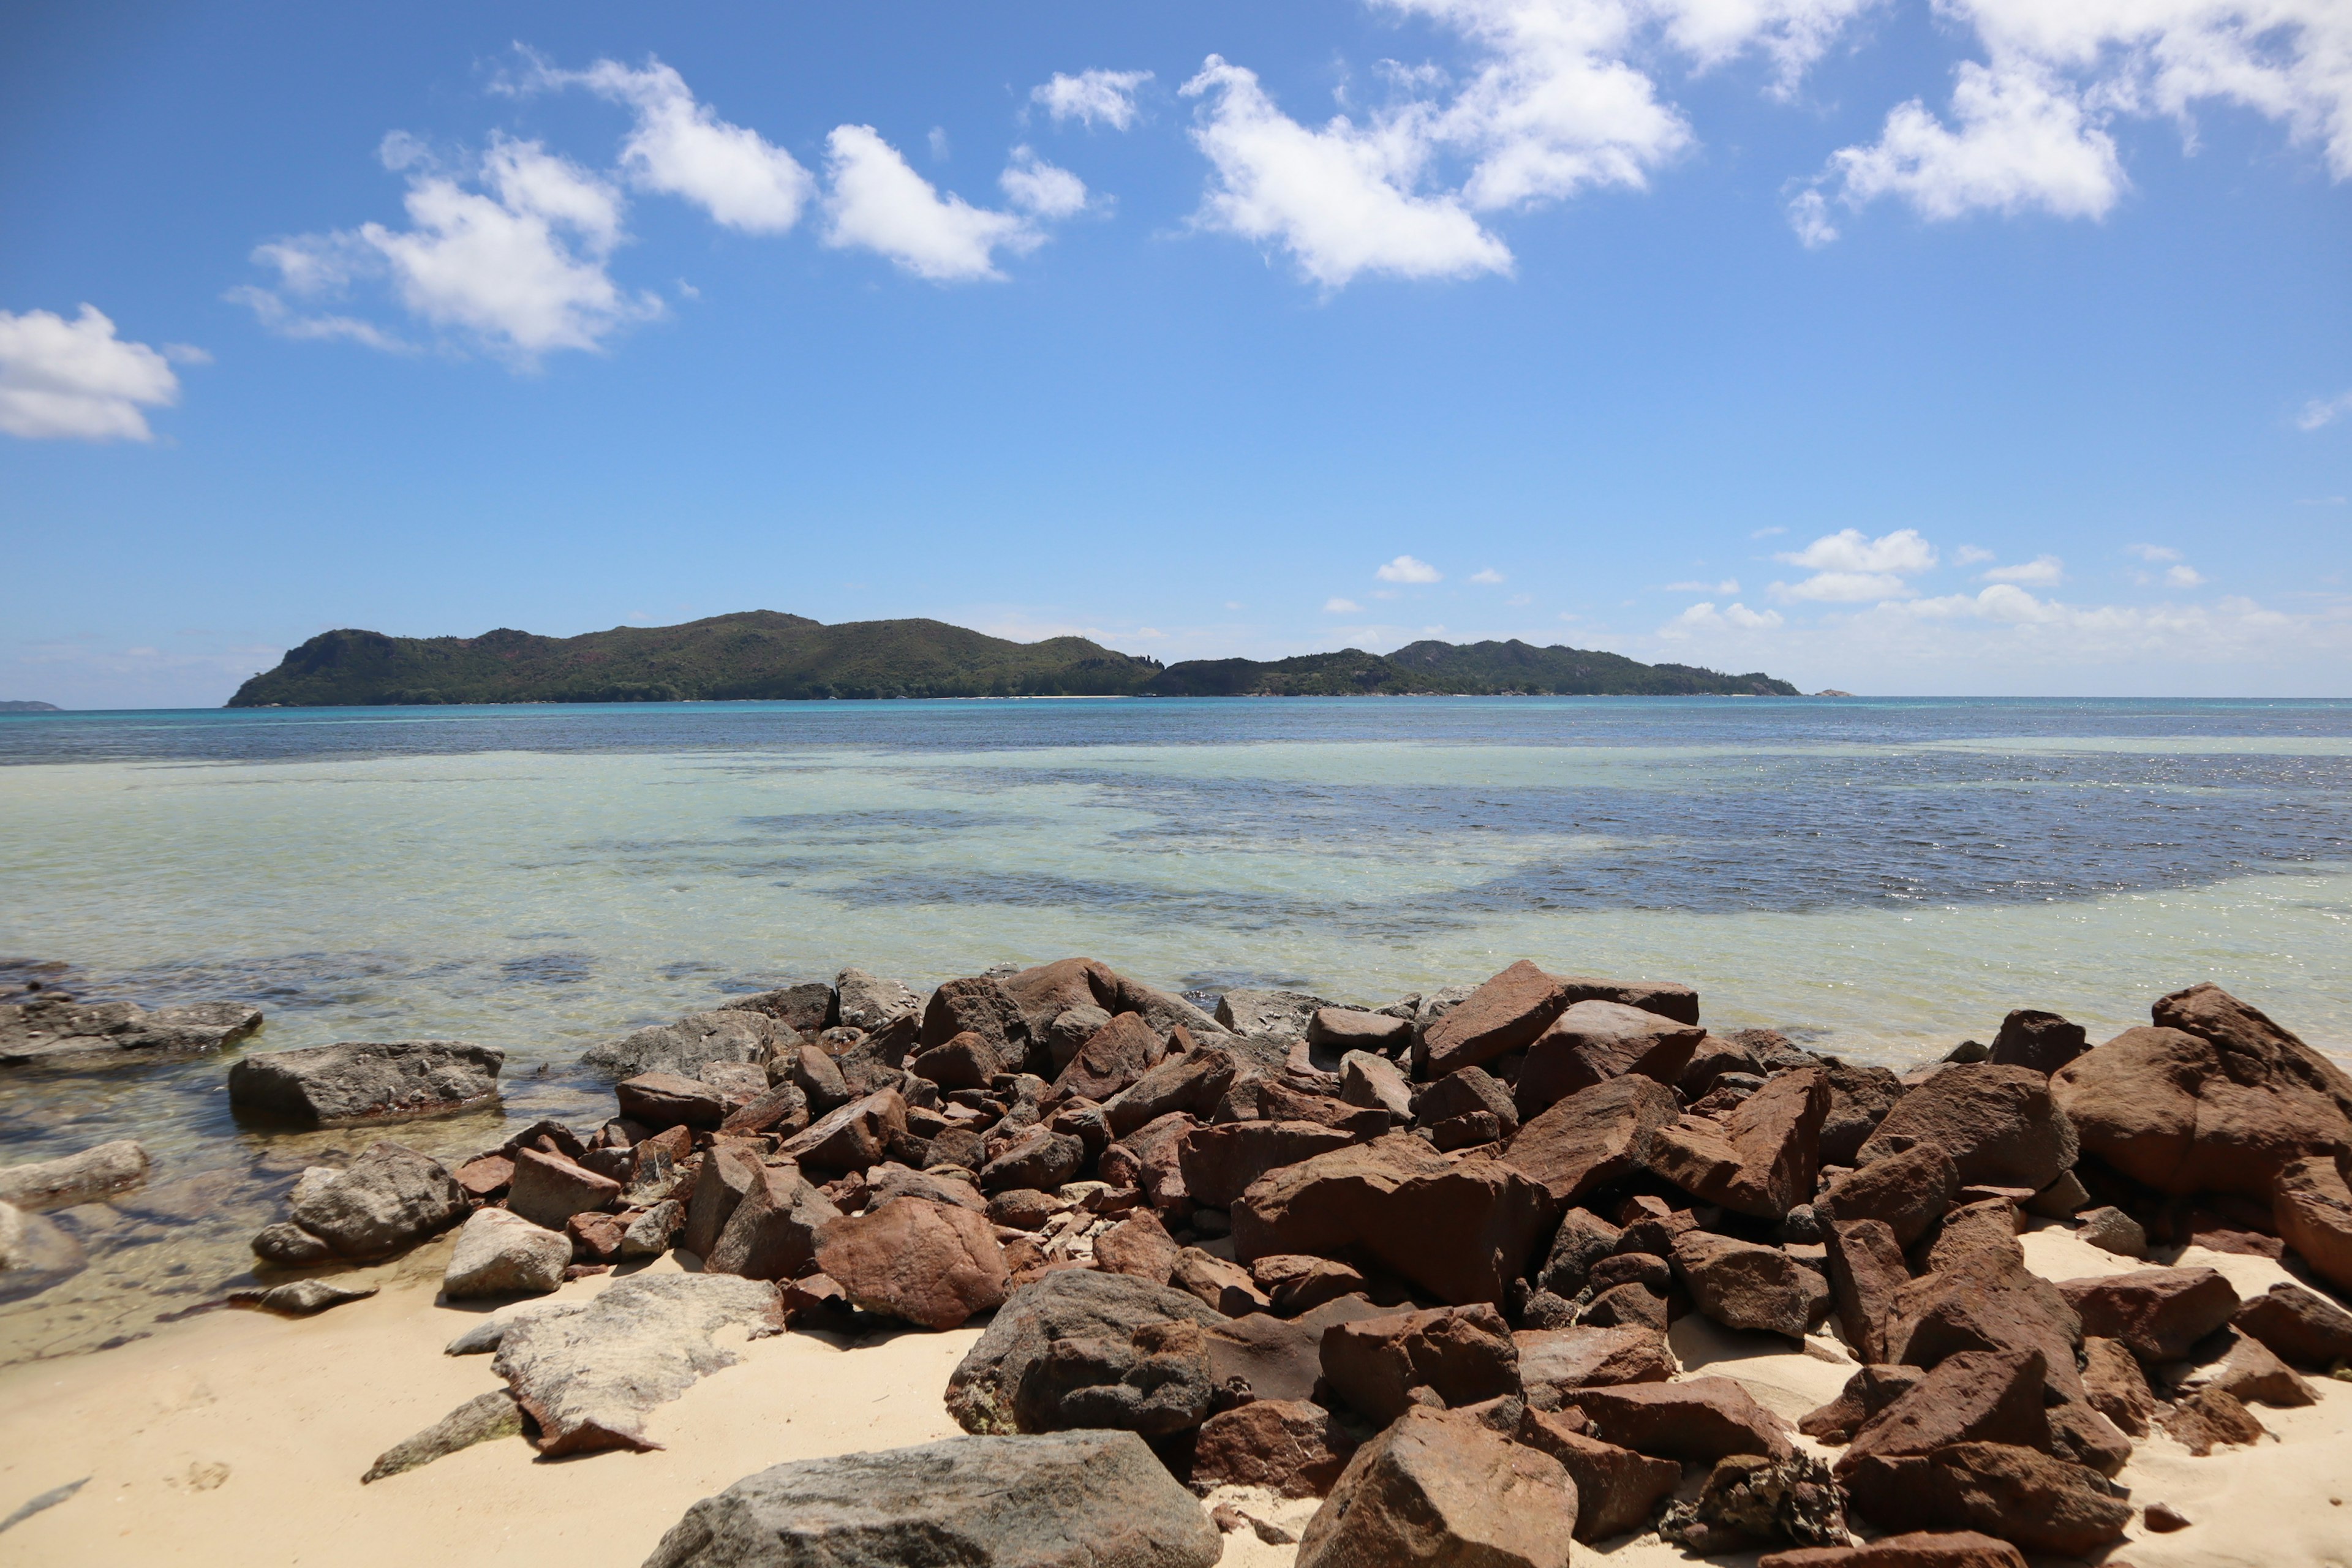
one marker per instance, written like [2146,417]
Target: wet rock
[1592,1138]
[1155,1380]
[53,1030]
[773,1231]
[1386,1365]
[1592,1042]
[2155,1313]
[654,1231]
[2000,1124]
[1750,1498]
[1502,1015]
[91,1177]
[390,1199]
[478,1420]
[1920,1549]
[1745,1285]
[1065,1501]
[339,1085]
[1908,1189]
[1219,1163]
[2115,1385]
[548,1189]
[1446,1491]
[1078,1304]
[1291,1446]
[288,1245]
[1990,1396]
[301,1297]
[2301,1325]
[2312,1207]
[1616,1489]
[2028,1498]
[1138,1245]
[1867,1273]
[850,1138]
[503,1254]
[589,1378]
[2043,1042]
[2209,1418]
[929,1264]
[1698,1420]
[1761,1159]
[1555,1363]
[685,1047]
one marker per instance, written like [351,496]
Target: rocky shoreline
[1425,1265]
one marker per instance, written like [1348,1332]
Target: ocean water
[1880,879]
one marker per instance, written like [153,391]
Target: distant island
[763,655]
[30,708]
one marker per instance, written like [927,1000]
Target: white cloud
[2322,411]
[1729,586]
[1705,617]
[75,380]
[878,203]
[2153,551]
[1846,587]
[1091,97]
[1848,567]
[680,147]
[1405,569]
[278,317]
[1969,554]
[1037,186]
[2041,572]
[2184,576]
[1490,576]
[1342,607]
[1340,199]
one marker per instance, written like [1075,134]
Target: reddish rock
[2028,1498]
[1761,1159]
[595,1237]
[2301,1325]
[1280,1358]
[1616,1489]
[660,1100]
[784,1109]
[2043,1042]
[1287,1445]
[1503,1016]
[1554,1362]
[1986,1302]
[1049,990]
[1040,1158]
[2311,1208]
[1278,1101]
[486,1176]
[1745,1285]
[1220,1161]
[1295,1282]
[1666,998]
[1462,1232]
[978,1006]
[1116,1056]
[1467,1092]
[1592,1042]
[2155,1313]
[1443,1490]
[1698,1420]
[1974,1227]
[850,1138]
[1138,1245]
[1627,1305]
[1909,1190]
[1866,1274]
[1192,1083]
[2209,1418]
[773,1233]
[1865,1394]
[728,1172]
[1154,1379]
[1384,1366]
[1860,1097]
[2115,1385]
[1225,1286]
[1024,1208]
[1999,1124]
[2081,1435]
[1989,1396]
[1151,1158]
[967,1060]
[1921,1548]
[930,1264]
[1592,1138]
[1342,1029]
[548,1189]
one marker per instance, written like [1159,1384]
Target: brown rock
[1592,1138]
[1342,1029]
[2164,1518]
[1296,1282]
[1865,1394]
[1698,1420]
[2042,1041]
[784,1109]
[967,1060]
[1287,1445]
[1155,1379]
[1464,1092]
[727,1173]
[1992,1224]
[1866,1274]
[2115,1385]
[548,1189]
[930,1264]
[850,1138]
[1040,1158]
[486,1176]
[2081,1435]
[1503,1016]
[1666,998]
[2205,1420]
[1384,1366]
[1583,1239]
[1117,1055]
[814,1074]
[773,1233]
[1630,1305]
[1138,1245]
[1049,990]
[1446,1491]
[2155,1313]
[1191,1082]
[596,1237]
[1908,1189]
[1761,1159]
[2311,1208]
[660,1100]
[982,1006]
[1997,1124]
[1921,1548]
[1220,1161]
[1592,1042]
[1713,1056]
[1745,1285]
[1462,1232]
[1225,1286]
[2301,1325]
[2028,1499]
[1616,1489]
[1860,1097]
[1989,1396]
[1986,1302]
[1280,1358]
[1151,1158]
[1554,1362]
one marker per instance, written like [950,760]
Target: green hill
[761,654]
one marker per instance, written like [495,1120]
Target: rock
[1627,1305]
[1698,1420]
[1860,1097]
[773,1231]
[2155,1313]
[1374,1083]
[329,1086]
[929,1264]
[2062,1199]
[2215,1099]
[2301,1325]
[589,1377]
[1290,1447]
[1592,1042]
[2110,1229]
[1295,1283]
[1592,1138]
[815,1075]
[784,1109]
[1137,1246]
[1974,1227]
[91,1177]
[1442,1490]
[968,1060]
[1117,1055]
[653,1233]
[1074,1304]
[487,1335]
[548,1190]
[2028,1498]
[1920,1549]
[1219,1163]
[1986,1302]
[1990,1396]
[1462,1232]
[1386,1365]
[1040,1158]
[871,1002]
[1867,1274]
[53,1029]
[1280,1358]
[1024,1208]
[1217,1282]
[486,1176]
[727,1173]
[1343,1029]
[390,1199]
[1865,1394]
[2164,1518]
[1554,1362]
[850,1138]
[1151,1158]
[1749,1498]
[805,1008]
[1503,1016]
[2115,1385]
[479,1419]
[1666,998]
[688,1045]
[503,1254]
[2312,1207]
[1465,1093]
[663,1099]
[2043,1042]
[1155,1380]
[1616,1489]
[302,1298]
[1583,1239]
[1744,1285]
[287,1246]
[981,1007]
[1908,1189]
[2209,1418]
[2000,1124]
[1760,1160]
[2081,1435]
[1250,1010]
[1070,1500]
[1191,1083]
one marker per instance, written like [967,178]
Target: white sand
[239,1440]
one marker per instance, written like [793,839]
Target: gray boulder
[692,1043]
[86,1177]
[503,1254]
[479,1419]
[301,1297]
[1072,1500]
[1247,1010]
[984,1391]
[51,1029]
[331,1086]
[390,1199]
[873,1002]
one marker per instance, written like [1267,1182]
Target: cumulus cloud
[62,380]
[2321,411]
[1405,569]
[876,202]
[1489,576]
[2041,572]
[1848,567]
[1969,554]
[1037,186]
[2184,576]
[2028,127]
[1705,617]
[1092,97]
[680,147]
[1342,607]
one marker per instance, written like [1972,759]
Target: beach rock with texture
[1555,1363]
[1987,1302]
[1139,1246]
[1860,1097]
[50,1031]
[2155,1313]
[1920,1549]
[1761,1159]
[390,1198]
[1455,1355]
[663,1099]
[1697,1420]
[2311,1204]
[1156,1379]
[930,1264]
[1443,1490]
[92,1175]
[805,1008]
[1374,1082]
[1990,1396]
[478,1420]
[1867,1273]
[1592,1138]
[2044,1042]
[1292,1446]
[1908,1190]
[1191,1083]
[549,1189]
[1592,1042]
[1076,1304]
[774,1232]
[850,1138]
[1502,1015]
[1220,1161]
[503,1254]
[1999,1125]
[1113,1058]
[2028,1498]
[1344,1030]
[1747,1285]
[2301,1325]
[1617,1489]
[688,1045]
[329,1086]
[1070,1500]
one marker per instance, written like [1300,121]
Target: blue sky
[1990,347]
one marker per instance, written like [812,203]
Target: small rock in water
[479,1419]
[322,1085]
[86,1177]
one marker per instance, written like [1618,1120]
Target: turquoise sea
[1878,878]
